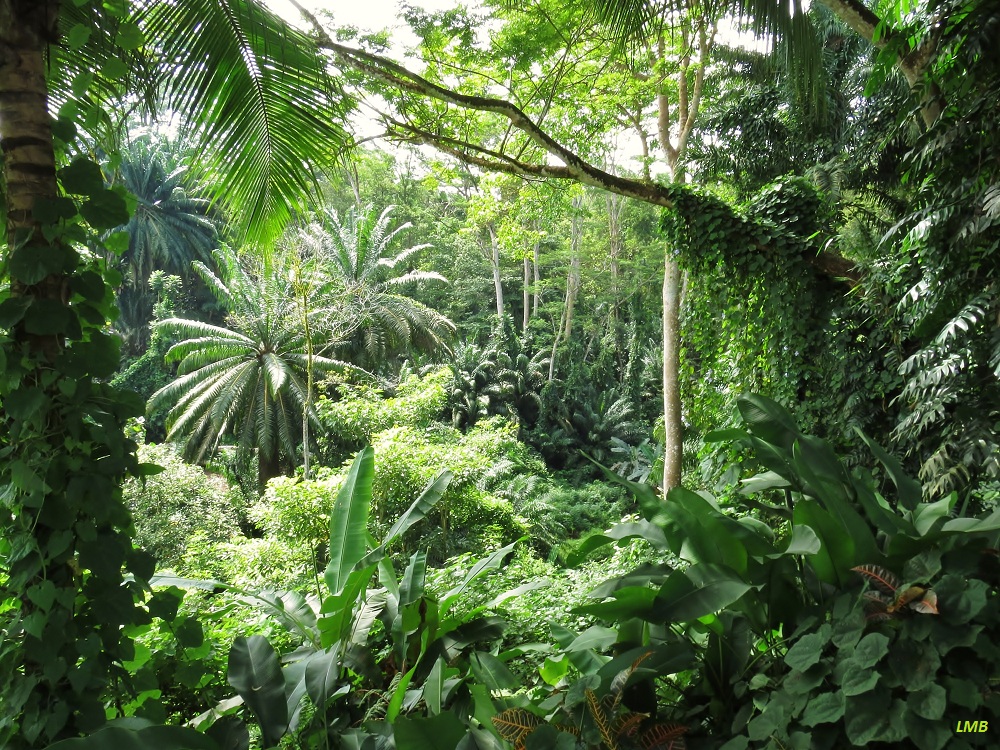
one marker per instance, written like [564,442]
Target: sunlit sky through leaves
[378,15]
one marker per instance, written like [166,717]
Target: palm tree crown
[355,251]
[247,379]
[169,229]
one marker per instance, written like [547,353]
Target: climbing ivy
[759,316]
[71,583]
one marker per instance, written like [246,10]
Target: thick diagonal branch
[572,167]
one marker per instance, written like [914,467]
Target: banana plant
[426,638]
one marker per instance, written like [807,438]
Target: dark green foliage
[951,397]
[899,660]
[150,372]
[170,507]
[70,581]
[761,316]
[506,378]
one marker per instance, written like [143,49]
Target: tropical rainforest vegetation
[637,387]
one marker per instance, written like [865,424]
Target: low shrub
[171,507]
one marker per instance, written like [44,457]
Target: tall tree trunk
[536,262]
[494,251]
[526,295]
[573,277]
[26,132]
[309,380]
[673,432]
[268,467]
[614,205]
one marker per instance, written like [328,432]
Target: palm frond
[257,97]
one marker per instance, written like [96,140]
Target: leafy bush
[892,604]
[169,508]
[362,411]
[296,509]
[468,518]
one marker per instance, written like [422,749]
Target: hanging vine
[759,316]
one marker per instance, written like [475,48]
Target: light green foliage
[362,410]
[468,518]
[169,508]
[250,562]
[296,510]
[549,595]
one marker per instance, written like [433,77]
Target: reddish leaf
[912,594]
[879,577]
[927,604]
[515,724]
[601,719]
[628,724]
[664,737]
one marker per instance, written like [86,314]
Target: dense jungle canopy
[607,374]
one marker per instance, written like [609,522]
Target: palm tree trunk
[28,154]
[268,467]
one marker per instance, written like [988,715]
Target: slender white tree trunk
[573,277]
[673,429]
[526,294]
[495,266]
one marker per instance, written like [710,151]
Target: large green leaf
[492,672]
[411,587]
[481,568]
[152,738]
[588,661]
[349,520]
[322,676]
[417,511]
[703,534]
[258,98]
[618,533]
[909,492]
[836,556]
[595,637]
[255,673]
[768,420]
[441,732]
[338,610]
[700,590]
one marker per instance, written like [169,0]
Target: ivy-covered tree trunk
[25,126]
[63,452]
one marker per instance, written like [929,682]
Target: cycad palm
[355,251]
[247,379]
[170,228]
